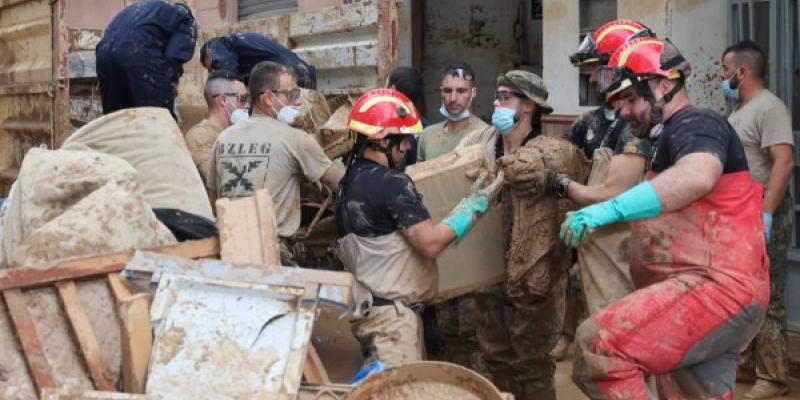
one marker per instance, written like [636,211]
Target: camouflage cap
[530,84]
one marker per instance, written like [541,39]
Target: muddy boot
[764,389]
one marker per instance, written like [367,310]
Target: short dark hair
[218,82]
[460,70]
[266,76]
[750,54]
[408,81]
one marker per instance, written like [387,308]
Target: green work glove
[477,201]
[638,202]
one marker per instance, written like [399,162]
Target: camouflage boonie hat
[530,84]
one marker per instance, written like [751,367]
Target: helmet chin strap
[394,141]
[657,106]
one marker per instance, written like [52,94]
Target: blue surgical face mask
[455,118]
[730,88]
[504,119]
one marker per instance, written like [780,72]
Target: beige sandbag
[149,139]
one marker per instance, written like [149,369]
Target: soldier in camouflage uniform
[517,335]
[764,126]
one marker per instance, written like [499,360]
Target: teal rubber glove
[638,202]
[767,225]
[463,216]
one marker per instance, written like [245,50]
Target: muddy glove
[477,201]
[767,225]
[638,202]
[534,184]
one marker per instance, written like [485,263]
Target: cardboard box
[478,260]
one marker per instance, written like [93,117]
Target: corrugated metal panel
[353,47]
[250,9]
[30,88]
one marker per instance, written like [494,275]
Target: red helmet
[639,60]
[381,112]
[598,46]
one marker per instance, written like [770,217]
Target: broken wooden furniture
[53,335]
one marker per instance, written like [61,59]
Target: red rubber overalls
[703,289]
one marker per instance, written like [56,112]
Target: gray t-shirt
[263,152]
[760,123]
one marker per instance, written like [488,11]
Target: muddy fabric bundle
[150,141]
[76,203]
[314,111]
[536,257]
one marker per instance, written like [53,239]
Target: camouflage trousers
[516,340]
[767,354]
[456,323]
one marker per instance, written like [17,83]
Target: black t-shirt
[594,130]
[698,130]
[374,200]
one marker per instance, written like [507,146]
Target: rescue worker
[141,55]
[265,152]
[618,163]
[386,236]
[764,126]
[455,317]
[240,52]
[226,97]
[697,243]
[516,337]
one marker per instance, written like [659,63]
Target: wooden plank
[268,229]
[82,330]
[248,232]
[136,336]
[37,363]
[120,287]
[30,276]
[80,394]
[313,370]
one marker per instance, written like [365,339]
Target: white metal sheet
[228,340]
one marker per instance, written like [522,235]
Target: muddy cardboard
[477,261]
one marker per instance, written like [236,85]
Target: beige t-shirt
[200,141]
[264,152]
[762,122]
[435,140]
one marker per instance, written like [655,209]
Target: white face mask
[287,114]
[239,115]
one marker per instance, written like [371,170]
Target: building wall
[697,27]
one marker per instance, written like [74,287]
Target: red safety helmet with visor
[639,60]
[598,46]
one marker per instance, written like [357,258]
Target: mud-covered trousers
[687,329]
[135,77]
[516,340]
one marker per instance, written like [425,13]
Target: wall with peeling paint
[478,32]
[697,27]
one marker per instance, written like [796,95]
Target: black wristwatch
[561,185]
